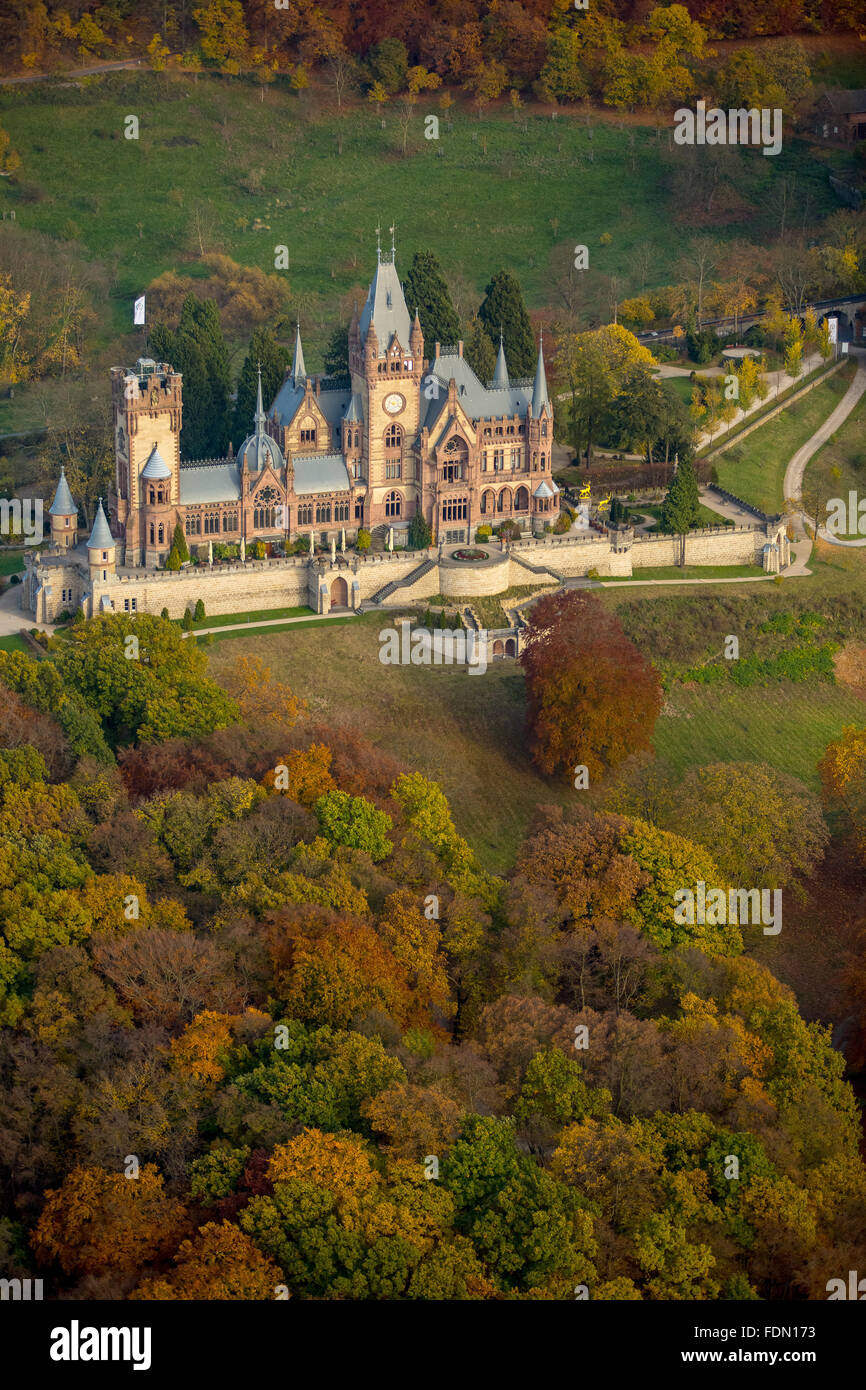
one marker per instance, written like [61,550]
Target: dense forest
[269,1029]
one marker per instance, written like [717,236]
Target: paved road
[797,466]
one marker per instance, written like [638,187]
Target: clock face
[393,403]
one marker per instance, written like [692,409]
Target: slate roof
[100,537]
[209,482]
[500,376]
[332,401]
[385,308]
[63,504]
[546,489]
[320,473]
[476,400]
[540,397]
[156,466]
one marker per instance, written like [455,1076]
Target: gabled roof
[209,482]
[156,466]
[476,400]
[100,537]
[63,504]
[320,473]
[845,103]
[385,308]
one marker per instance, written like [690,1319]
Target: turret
[101,549]
[540,398]
[416,339]
[64,516]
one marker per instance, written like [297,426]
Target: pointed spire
[299,371]
[500,376]
[260,413]
[100,537]
[63,504]
[540,398]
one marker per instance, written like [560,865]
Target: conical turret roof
[63,505]
[100,537]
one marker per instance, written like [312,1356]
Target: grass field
[706,517]
[786,725]
[11,561]
[840,466]
[256,616]
[755,468]
[216,158]
[690,572]
[13,643]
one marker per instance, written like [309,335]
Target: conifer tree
[681,508]
[478,350]
[275,360]
[178,542]
[503,307]
[425,290]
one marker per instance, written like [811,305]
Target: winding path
[796,468]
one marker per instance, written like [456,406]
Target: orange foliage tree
[98,1221]
[593,698]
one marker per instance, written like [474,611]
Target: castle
[400,435]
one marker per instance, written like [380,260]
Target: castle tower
[64,516]
[147,406]
[101,548]
[386,364]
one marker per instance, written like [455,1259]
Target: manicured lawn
[706,517]
[755,468]
[11,561]
[277,627]
[13,643]
[839,468]
[256,616]
[681,386]
[687,572]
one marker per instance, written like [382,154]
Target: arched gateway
[339,593]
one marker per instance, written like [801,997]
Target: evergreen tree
[420,535]
[199,610]
[337,352]
[478,350]
[178,542]
[275,360]
[681,507]
[503,305]
[425,290]
[198,351]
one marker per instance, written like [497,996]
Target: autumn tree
[98,1221]
[843,775]
[592,697]
[219,1262]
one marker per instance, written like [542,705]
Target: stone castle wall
[262,584]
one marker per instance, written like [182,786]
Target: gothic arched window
[393,504]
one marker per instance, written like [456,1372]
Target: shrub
[186,623]
[363,540]
[164,613]
[199,610]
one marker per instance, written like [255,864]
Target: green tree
[425,290]
[198,350]
[420,535]
[478,350]
[388,64]
[178,542]
[681,507]
[336,359]
[354,821]
[503,307]
[274,359]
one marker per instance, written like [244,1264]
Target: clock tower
[386,361]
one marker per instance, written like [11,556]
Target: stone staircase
[418,573]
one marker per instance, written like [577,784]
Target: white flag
[138,315]
[832,326]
